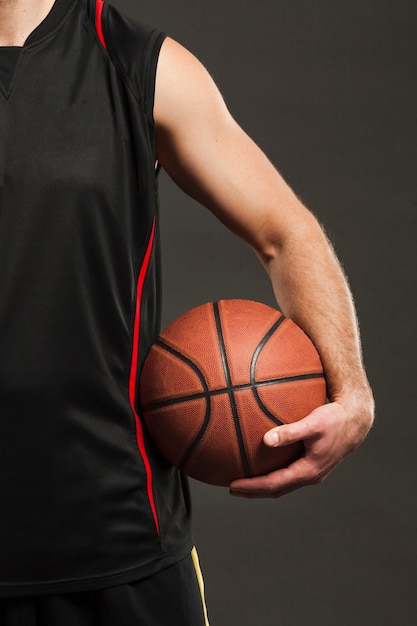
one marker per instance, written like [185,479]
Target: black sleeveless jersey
[86,501]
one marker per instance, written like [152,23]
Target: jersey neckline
[10,55]
[48,24]
[55,15]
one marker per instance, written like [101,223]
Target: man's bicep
[210,157]
[191,118]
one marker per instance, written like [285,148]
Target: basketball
[221,375]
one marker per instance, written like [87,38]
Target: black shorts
[173,597]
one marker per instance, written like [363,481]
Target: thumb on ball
[281,436]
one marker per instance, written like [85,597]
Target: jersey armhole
[134,49]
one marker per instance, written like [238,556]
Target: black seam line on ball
[230,391]
[205,395]
[218,392]
[254,361]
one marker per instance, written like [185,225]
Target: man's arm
[211,158]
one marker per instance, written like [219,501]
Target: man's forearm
[311,288]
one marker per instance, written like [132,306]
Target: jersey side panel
[170,487]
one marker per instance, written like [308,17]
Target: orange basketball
[218,378]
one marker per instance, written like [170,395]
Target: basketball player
[94,525]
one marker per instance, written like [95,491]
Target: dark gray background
[328,89]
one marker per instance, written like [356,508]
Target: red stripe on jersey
[99,27]
[133,374]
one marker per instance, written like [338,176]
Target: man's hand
[330,433]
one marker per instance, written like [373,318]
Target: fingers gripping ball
[218,378]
